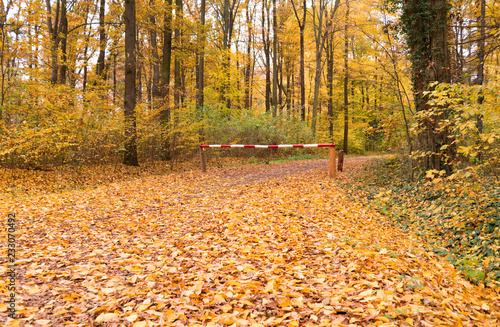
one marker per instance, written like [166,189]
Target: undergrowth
[458,216]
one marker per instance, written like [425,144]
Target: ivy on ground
[458,216]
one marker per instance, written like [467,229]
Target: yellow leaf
[77,310]
[171,315]
[60,311]
[284,302]
[293,323]
[143,307]
[107,290]
[365,293]
[384,319]
[34,290]
[270,286]
[220,298]
[140,324]
[132,318]
[226,319]
[234,283]
[105,317]
[381,295]
[226,307]
[197,287]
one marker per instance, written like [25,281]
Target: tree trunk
[130,155]
[302,82]
[102,41]
[329,54]
[265,40]
[229,11]
[280,83]
[54,36]
[201,59]
[138,78]
[346,79]
[155,90]
[248,58]
[85,49]
[63,69]
[114,77]
[289,89]
[177,61]
[166,62]
[3,19]
[275,61]
[480,61]
[426,27]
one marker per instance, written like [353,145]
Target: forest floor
[267,245]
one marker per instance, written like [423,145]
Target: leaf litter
[210,250]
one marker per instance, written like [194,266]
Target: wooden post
[202,158]
[332,172]
[340,165]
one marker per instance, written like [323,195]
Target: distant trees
[203,70]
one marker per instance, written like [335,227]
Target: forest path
[241,175]
[247,246]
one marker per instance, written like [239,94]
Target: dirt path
[254,174]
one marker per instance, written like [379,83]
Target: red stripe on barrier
[249,146]
[326,144]
[225,146]
[298,145]
[272,146]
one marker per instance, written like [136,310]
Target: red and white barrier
[332,168]
[267,146]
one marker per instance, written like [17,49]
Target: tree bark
[166,62]
[177,61]
[248,58]
[54,33]
[201,59]
[426,28]
[346,79]
[329,54]
[138,70]
[155,90]
[266,45]
[85,49]
[480,61]
[275,61]
[130,155]
[302,82]
[102,41]
[63,68]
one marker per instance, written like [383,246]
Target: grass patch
[299,157]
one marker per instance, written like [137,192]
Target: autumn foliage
[252,246]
